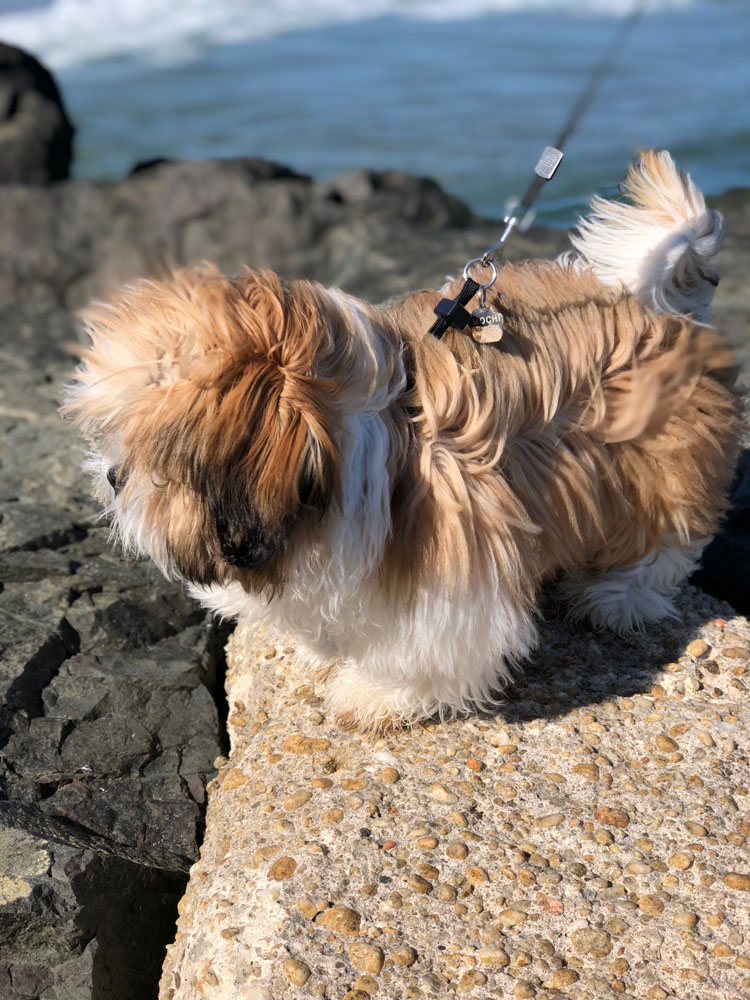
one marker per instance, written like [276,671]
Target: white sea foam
[69,32]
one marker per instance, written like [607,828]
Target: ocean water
[466,92]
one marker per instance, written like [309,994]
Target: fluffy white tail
[660,245]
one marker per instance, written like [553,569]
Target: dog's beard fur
[302,457]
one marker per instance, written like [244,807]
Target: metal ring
[489,263]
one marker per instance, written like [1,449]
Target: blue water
[470,102]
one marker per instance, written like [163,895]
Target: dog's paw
[320,663]
[359,702]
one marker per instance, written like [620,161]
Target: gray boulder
[36,135]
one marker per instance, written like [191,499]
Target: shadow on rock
[725,566]
[575,666]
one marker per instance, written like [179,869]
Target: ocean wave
[66,33]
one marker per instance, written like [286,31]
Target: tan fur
[652,180]
[659,242]
[591,433]
[591,409]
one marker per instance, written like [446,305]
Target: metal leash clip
[487,324]
[548,163]
[545,169]
[489,262]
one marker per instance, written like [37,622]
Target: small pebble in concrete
[296,972]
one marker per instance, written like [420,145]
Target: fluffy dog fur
[301,457]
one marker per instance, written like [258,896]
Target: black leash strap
[599,72]
[452,312]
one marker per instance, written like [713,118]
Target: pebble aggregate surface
[588,841]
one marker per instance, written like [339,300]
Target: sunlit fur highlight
[659,243]
[300,457]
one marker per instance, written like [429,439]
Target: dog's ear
[266,459]
[238,426]
[254,516]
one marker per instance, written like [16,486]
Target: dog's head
[216,410]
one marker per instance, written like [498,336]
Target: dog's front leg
[358,700]
[442,659]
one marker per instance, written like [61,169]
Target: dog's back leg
[627,598]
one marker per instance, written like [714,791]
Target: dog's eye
[116,478]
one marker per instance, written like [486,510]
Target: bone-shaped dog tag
[486,325]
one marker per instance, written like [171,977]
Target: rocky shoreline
[113,711]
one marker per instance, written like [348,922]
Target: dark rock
[75,925]
[80,240]
[725,566]
[34,642]
[117,740]
[735,206]
[254,167]
[143,165]
[36,135]
[418,200]
[108,726]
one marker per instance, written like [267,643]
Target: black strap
[451,312]
[600,71]
[583,102]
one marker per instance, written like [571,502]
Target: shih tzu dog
[394,501]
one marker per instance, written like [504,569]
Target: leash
[486,323]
